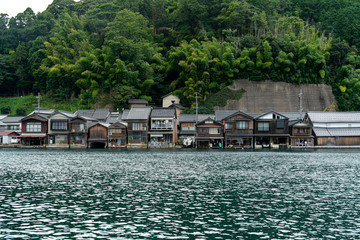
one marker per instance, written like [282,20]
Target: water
[180,194]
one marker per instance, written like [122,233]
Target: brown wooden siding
[98,132]
[44,125]
[338,141]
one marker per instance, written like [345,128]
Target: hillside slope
[280,96]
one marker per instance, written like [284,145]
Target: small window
[242,125]
[263,126]
[228,125]
[214,131]
[280,123]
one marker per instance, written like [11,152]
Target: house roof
[119,124]
[221,114]
[137,101]
[336,132]
[101,113]
[3,116]
[209,118]
[171,93]
[113,117]
[192,117]
[66,114]
[238,113]
[270,111]
[85,113]
[125,113]
[3,133]
[334,117]
[37,116]
[177,105]
[293,115]
[98,123]
[140,113]
[163,113]
[12,119]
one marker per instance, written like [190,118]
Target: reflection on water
[179,194]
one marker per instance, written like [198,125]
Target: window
[116,131]
[208,121]
[214,130]
[280,123]
[228,125]
[188,128]
[137,127]
[242,125]
[33,127]
[59,125]
[263,126]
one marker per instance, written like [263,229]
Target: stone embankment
[261,96]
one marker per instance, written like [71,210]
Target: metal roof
[192,117]
[163,113]
[139,113]
[336,132]
[334,117]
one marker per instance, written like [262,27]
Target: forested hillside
[108,51]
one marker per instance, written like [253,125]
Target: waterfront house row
[165,127]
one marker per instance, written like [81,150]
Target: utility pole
[300,104]
[38,98]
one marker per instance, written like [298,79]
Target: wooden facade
[98,136]
[58,131]
[209,134]
[34,131]
[271,130]
[117,135]
[78,132]
[301,135]
[239,130]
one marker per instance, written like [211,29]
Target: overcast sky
[13,7]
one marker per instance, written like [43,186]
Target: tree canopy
[109,51]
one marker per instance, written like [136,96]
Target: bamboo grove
[109,51]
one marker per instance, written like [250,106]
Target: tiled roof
[2,116]
[293,115]
[114,117]
[163,112]
[334,132]
[5,133]
[177,105]
[334,117]
[12,119]
[238,113]
[192,117]
[68,114]
[221,114]
[138,101]
[140,113]
[101,113]
[85,113]
[125,113]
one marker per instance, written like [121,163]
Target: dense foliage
[108,51]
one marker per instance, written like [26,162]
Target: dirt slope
[280,96]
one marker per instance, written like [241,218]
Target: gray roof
[221,114]
[85,113]
[334,132]
[2,116]
[101,113]
[163,113]
[177,105]
[125,113]
[12,119]
[114,117]
[192,117]
[68,114]
[334,117]
[293,115]
[140,113]
[138,101]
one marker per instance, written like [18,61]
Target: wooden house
[209,134]
[335,128]
[79,131]
[271,130]
[301,134]
[137,119]
[163,128]
[239,130]
[11,123]
[117,135]
[58,129]
[186,127]
[34,128]
[98,135]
